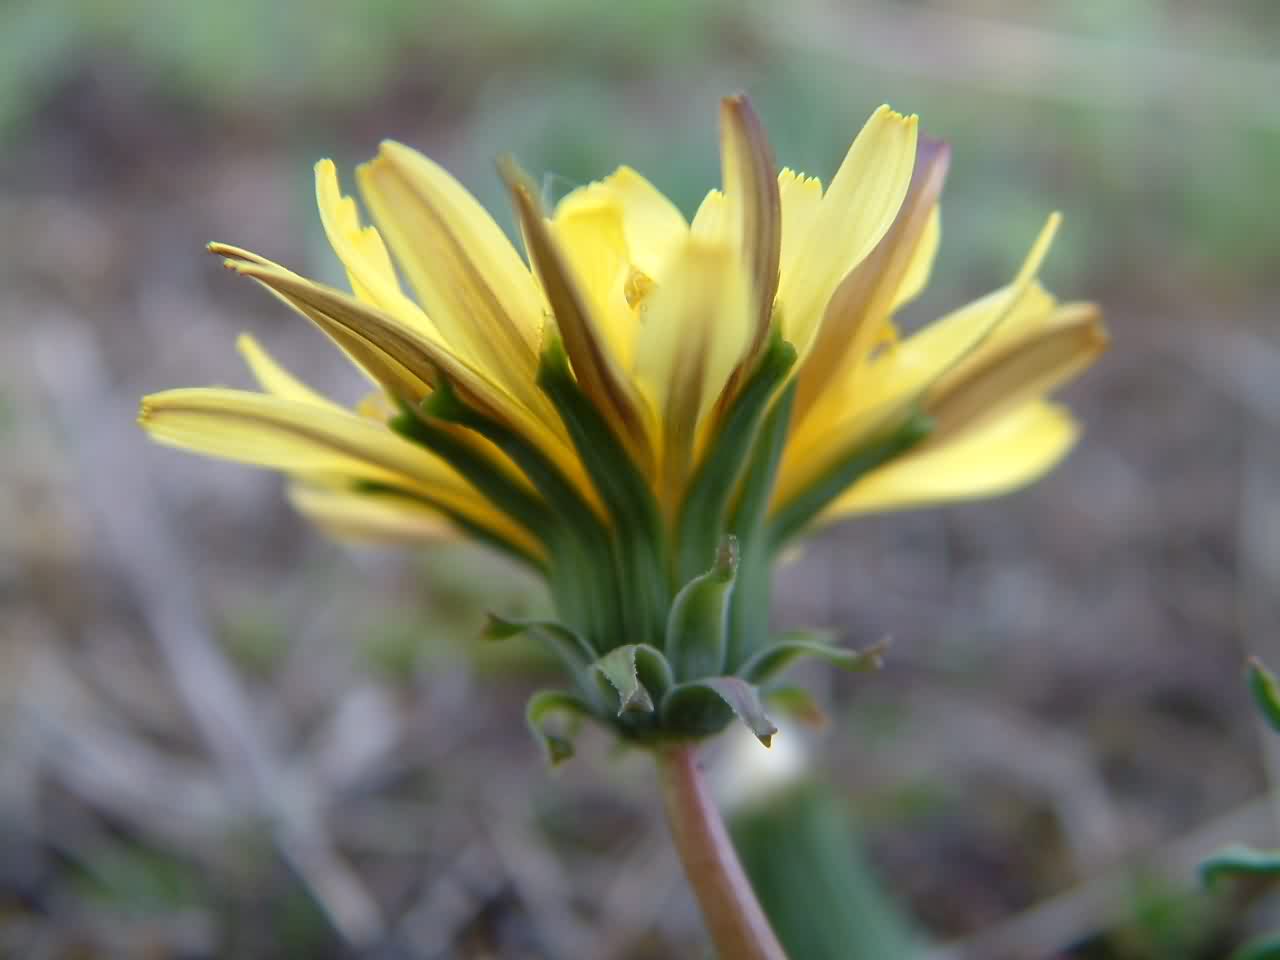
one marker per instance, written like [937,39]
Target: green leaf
[1267,948]
[703,707]
[1239,860]
[772,660]
[797,704]
[903,431]
[1266,692]
[809,867]
[703,514]
[698,624]
[544,705]
[617,671]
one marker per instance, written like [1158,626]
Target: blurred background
[222,735]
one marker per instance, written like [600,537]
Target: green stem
[737,925]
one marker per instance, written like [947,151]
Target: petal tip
[393,151]
[888,113]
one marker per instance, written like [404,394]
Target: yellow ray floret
[856,210]
[1010,453]
[365,518]
[634,372]
[310,440]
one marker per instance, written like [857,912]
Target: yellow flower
[642,388]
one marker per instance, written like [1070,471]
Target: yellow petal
[327,449]
[422,358]
[858,314]
[589,227]
[292,435]
[753,208]
[392,376]
[473,284]
[274,378]
[696,328]
[1014,371]
[916,276]
[391,517]
[1008,453]
[376,406]
[404,359]
[708,221]
[849,406]
[910,364]
[800,197]
[653,224]
[856,211]
[374,518]
[362,252]
[594,365]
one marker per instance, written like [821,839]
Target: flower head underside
[647,409]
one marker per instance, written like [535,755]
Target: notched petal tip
[145,410]
[886,112]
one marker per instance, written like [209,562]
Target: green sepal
[749,612]
[903,431]
[540,707]
[516,501]
[617,674]
[1239,860]
[1267,948]
[796,704]
[772,660]
[578,542]
[573,652]
[654,671]
[498,628]
[639,540]
[698,624]
[1266,692]
[703,513]
[703,707]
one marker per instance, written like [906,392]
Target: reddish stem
[737,925]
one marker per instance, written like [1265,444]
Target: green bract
[664,626]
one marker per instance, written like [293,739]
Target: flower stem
[737,925]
